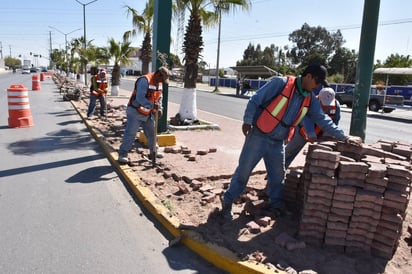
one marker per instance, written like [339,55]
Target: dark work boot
[227,211]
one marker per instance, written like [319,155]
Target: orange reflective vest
[153,94]
[101,85]
[272,115]
[330,111]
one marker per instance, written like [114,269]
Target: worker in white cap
[308,131]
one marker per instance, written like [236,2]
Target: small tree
[202,13]
[120,52]
[313,42]
[12,62]
[142,23]
[57,57]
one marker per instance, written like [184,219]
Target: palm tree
[77,48]
[207,12]
[58,58]
[97,55]
[121,53]
[142,23]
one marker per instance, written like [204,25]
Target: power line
[277,35]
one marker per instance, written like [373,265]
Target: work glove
[246,129]
[354,140]
[156,108]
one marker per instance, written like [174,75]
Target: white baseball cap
[327,96]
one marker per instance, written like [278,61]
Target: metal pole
[84,35]
[51,51]
[364,67]
[161,43]
[218,51]
[84,45]
[65,44]
[65,55]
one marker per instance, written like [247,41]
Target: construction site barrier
[35,82]
[42,76]
[19,106]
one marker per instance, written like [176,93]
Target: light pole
[84,35]
[65,43]
[219,6]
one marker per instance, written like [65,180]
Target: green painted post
[161,44]
[364,68]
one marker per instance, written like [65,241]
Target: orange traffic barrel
[35,82]
[19,107]
[42,76]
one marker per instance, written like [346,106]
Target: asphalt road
[63,208]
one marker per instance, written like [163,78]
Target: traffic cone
[19,107]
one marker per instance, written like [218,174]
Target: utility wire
[284,34]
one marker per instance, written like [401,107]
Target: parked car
[377,99]
[25,71]
[34,69]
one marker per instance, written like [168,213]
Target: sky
[36,26]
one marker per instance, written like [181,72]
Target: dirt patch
[190,188]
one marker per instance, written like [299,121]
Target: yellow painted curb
[219,256]
[163,140]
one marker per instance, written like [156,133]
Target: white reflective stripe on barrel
[18,100]
[18,93]
[17,107]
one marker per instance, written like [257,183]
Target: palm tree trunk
[188,106]
[193,45]
[146,53]
[115,80]
[82,78]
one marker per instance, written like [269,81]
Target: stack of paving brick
[355,198]
[293,194]
[339,216]
[364,221]
[319,189]
[395,203]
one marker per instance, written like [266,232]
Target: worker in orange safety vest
[98,91]
[267,122]
[144,103]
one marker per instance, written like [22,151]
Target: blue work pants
[256,147]
[92,105]
[133,123]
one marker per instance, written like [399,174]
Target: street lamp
[84,29]
[65,43]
